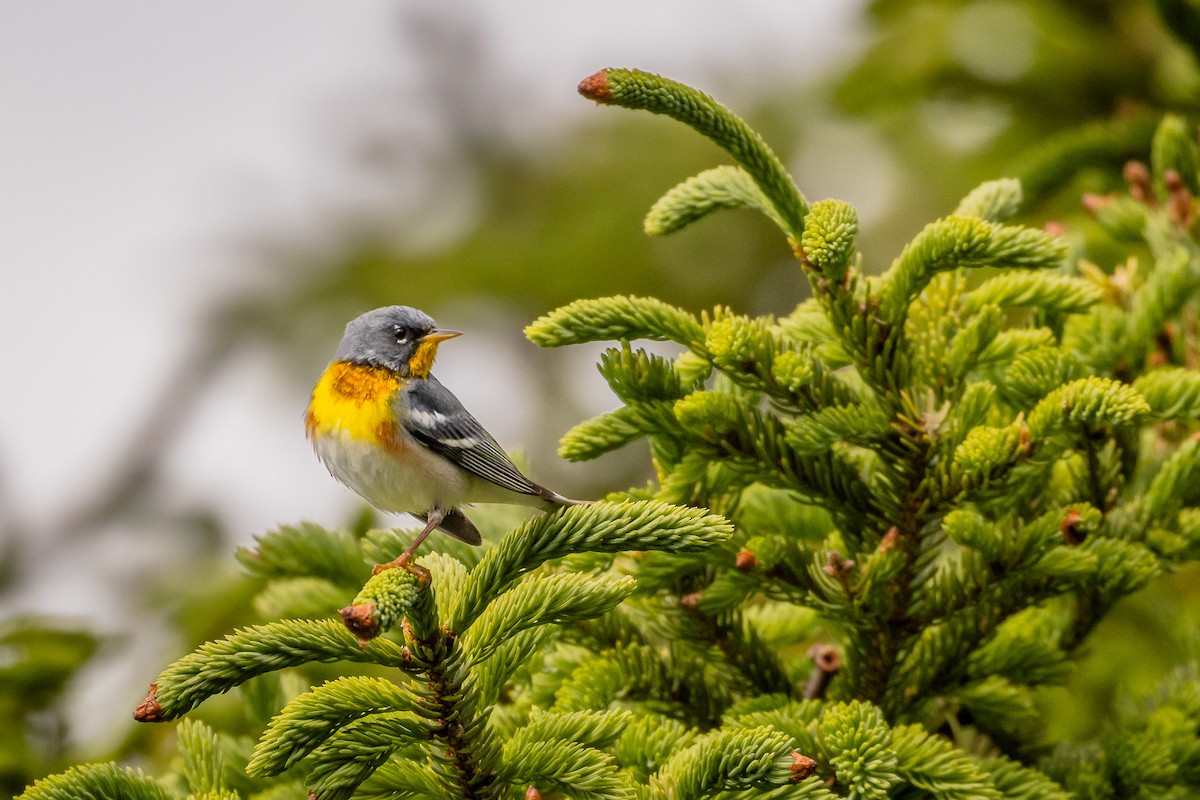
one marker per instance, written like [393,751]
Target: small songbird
[385,427]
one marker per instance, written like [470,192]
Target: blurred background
[195,198]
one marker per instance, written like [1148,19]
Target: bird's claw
[405,563]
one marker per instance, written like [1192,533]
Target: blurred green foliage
[38,657]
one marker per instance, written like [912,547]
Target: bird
[384,426]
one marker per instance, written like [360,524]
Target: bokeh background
[196,196]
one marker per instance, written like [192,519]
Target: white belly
[414,480]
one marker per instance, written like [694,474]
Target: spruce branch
[961,242]
[756,444]
[1177,483]
[749,758]
[613,319]
[681,680]
[1049,292]
[638,376]
[1171,393]
[972,339]
[589,728]
[858,744]
[218,666]
[408,773]
[1015,780]
[808,379]
[570,767]
[298,598]
[1008,344]
[101,781]
[355,751]
[642,90]
[934,765]
[1173,149]
[702,194]
[510,656]
[597,527]
[1089,403]
[1036,373]
[814,433]
[994,201]
[314,716]
[1174,279]
[539,600]
[306,550]
[203,762]
[828,239]
[616,429]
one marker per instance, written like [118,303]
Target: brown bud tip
[149,710]
[1054,227]
[1137,175]
[691,600]
[1173,180]
[1024,443]
[312,794]
[595,87]
[889,540]
[802,766]
[1094,202]
[532,793]
[360,620]
[1136,172]
[1156,359]
[836,566]
[825,657]
[1069,527]
[745,561]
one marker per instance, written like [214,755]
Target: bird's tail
[456,524]
[552,500]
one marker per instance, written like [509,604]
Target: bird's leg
[432,520]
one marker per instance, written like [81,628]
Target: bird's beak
[440,335]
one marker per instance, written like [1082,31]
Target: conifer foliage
[879,524]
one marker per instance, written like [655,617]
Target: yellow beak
[439,335]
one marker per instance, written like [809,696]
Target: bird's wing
[434,416]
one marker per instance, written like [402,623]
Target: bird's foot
[405,563]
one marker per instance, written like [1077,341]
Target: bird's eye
[401,334]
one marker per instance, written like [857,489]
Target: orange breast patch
[355,401]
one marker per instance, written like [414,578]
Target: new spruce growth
[878,525]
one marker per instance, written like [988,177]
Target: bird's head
[399,338]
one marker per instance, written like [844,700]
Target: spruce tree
[878,526]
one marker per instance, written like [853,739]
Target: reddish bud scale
[149,710]
[802,766]
[889,540]
[595,87]
[745,561]
[361,620]
[1072,533]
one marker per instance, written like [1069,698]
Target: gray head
[399,338]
